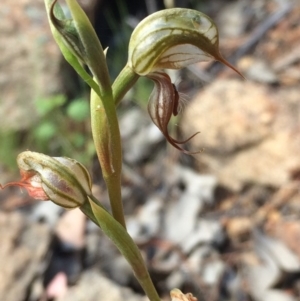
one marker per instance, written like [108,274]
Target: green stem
[125,80]
[105,125]
[126,246]
[106,135]
[113,183]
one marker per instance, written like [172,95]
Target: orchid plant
[168,39]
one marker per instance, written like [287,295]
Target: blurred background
[223,224]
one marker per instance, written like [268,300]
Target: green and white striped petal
[172,39]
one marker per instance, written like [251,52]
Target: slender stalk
[125,80]
[107,141]
[126,246]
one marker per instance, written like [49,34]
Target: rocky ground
[223,224]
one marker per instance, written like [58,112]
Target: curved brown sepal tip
[225,62]
[175,143]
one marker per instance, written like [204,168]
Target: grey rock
[30,62]
[248,132]
[20,262]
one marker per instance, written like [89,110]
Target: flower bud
[64,181]
[79,43]
[65,29]
[172,39]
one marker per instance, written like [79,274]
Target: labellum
[163,103]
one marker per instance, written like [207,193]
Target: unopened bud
[62,180]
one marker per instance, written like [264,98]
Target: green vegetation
[62,128]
